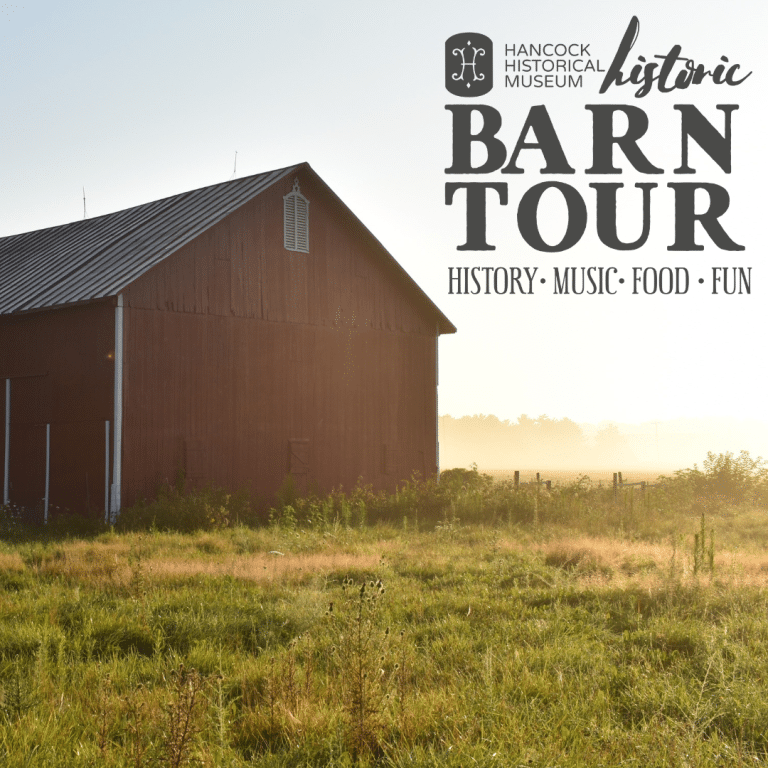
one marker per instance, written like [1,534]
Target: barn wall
[61,367]
[240,268]
[245,361]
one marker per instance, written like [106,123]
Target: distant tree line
[529,442]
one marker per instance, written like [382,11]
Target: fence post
[549,485]
[517,479]
[106,472]
[47,471]
[621,479]
[615,487]
[538,478]
[6,483]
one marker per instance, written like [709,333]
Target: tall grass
[460,623]
[542,648]
[459,496]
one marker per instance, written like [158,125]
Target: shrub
[207,509]
[454,480]
[724,479]
[733,479]
[11,522]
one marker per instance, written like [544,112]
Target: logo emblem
[469,64]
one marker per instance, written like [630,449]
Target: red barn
[238,333]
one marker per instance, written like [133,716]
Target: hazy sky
[136,101]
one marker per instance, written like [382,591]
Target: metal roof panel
[96,258]
[99,257]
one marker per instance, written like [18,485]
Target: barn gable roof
[99,257]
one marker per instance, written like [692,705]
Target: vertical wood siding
[61,367]
[236,347]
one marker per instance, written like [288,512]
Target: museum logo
[468,64]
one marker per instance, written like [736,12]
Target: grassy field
[565,629]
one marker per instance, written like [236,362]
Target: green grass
[591,633]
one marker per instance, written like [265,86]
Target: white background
[136,101]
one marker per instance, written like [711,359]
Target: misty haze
[562,444]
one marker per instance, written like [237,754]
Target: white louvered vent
[296,220]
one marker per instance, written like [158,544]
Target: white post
[118,429]
[106,472]
[437,410]
[7,439]
[47,468]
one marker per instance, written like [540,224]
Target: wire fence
[618,483]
